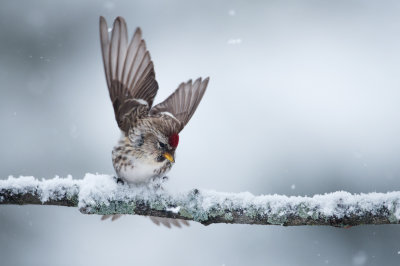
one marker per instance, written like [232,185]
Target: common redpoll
[150,137]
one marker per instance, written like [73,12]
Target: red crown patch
[174,140]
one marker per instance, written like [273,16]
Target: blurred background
[303,99]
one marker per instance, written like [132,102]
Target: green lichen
[315,215]
[303,210]
[112,208]
[392,217]
[277,218]
[73,198]
[228,216]
[125,207]
[158,205]
[216,212]
[194,209]
[251,212]
[183,212]
[102,209]
[200,216]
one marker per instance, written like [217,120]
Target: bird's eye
[162,145]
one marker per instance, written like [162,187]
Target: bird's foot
[157,182]
[119,180]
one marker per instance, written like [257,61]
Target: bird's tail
[167,222]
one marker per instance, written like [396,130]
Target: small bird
[150,134]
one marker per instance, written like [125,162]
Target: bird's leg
[157,182]
[119,180]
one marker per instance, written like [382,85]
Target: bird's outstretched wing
[183,102]
[129,72]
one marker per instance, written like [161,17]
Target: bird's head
[156,139]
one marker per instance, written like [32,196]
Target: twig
[101,194]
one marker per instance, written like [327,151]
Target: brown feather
[183,102]
[129,73]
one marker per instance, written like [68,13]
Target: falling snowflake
[360,258]
[235,41]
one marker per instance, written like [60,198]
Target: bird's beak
[169,157]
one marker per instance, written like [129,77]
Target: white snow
[101,189]
[96,189]
[338,203]
[174,210]
[235,41]
[49,189]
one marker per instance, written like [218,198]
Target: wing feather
[184,101]
[129,72]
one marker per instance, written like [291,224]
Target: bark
[102,195]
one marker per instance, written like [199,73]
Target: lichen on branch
[101,194]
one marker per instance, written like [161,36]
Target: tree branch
[101,194]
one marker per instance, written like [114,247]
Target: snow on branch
[101,194]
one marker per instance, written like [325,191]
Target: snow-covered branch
[101,194]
